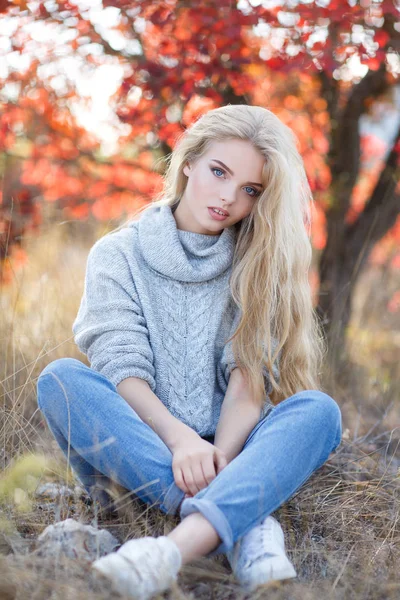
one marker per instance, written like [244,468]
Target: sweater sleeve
[228,362]
[110,327]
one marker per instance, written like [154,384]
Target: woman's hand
[196,463]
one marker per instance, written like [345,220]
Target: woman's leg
[99,431]
[280,454]
[103,437]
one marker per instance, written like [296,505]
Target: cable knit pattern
[157,305]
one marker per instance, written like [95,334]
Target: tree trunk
[348,248]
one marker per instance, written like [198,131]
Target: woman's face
[227,177]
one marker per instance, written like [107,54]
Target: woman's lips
[217,216]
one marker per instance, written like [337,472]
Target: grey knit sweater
[157,305]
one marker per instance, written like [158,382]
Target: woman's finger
[178,478]
[189,480]
[208,467]
[198,475]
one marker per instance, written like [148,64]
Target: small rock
[52,491]
[75,540]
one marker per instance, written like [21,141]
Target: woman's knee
[325,413]
[61,366]
[318,410]
[52,381]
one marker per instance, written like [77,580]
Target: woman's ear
[186,169]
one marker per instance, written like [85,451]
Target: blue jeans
[104,438]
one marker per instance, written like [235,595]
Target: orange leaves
[170,133]
[292,102]
[15,260]
[128,176]
[245,52]
[61,186]
[394,302]
[72,186]
[391,7]
[381,37]
[318,226]
[114,205]
[373,62]
[68,150]
[145,160]
[109,207]
[83,27]
[255,71]
[181,34]
[373,150]
[167,94]
[197,106]
[276,63]
[320,104]
[63,149]
[34,172]
[318,173]
[97,189]
[79,212]
[372,147]
[53,179]
[144,182]
[37,98]
[5,5]
[121,176]
[320,142]
[388,247]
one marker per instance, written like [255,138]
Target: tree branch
[346,143]
[382,209]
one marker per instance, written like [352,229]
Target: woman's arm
[239,415]
[110,327]
[152,411]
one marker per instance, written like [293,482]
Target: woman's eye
[256,192]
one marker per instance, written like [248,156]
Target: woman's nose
[228,194]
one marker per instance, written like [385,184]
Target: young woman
[202,394]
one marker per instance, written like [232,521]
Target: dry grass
[341,527]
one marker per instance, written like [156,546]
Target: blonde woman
[202,395]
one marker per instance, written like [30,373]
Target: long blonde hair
[269,280]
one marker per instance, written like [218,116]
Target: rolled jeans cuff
[217,519]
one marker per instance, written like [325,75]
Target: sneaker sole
[266,573]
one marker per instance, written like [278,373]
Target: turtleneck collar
[183,255]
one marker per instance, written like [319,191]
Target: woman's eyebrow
[232,173]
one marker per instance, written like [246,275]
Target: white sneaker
[143,567]
[259,556]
